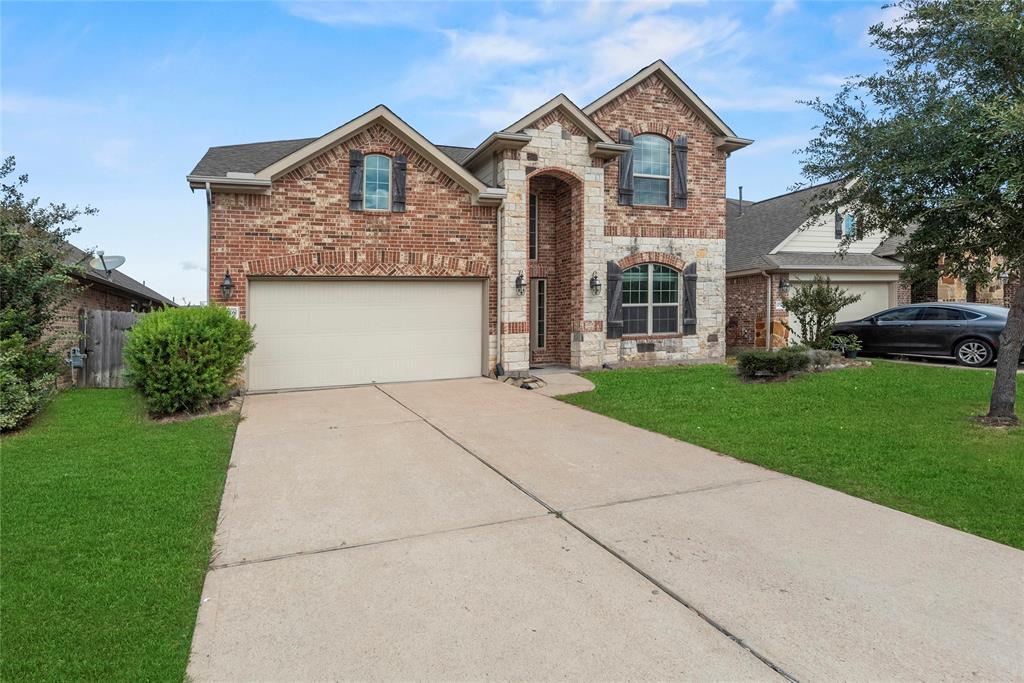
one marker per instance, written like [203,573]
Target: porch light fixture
[226,285]
[595,283]
[783,286]
[1004,277]
[520,284]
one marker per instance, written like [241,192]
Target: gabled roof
[248,158]
[116,279]
[259,164]
[574,113]
[729,139]
[750,238]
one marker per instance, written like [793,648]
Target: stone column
[515,337]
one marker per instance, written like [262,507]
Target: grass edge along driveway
[896,434]
[107,525]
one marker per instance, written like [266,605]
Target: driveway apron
[466,529]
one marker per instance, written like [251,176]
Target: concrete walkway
[467,530]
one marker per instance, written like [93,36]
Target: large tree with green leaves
[932,148]
[35,283]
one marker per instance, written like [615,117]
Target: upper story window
[651,170]
[650,299]
[533,226]
[848,223]
[377,182]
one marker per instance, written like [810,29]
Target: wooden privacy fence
[104,346]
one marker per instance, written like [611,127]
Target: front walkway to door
[466,529]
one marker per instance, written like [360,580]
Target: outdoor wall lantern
[1005,277]
[520,284]
[595,283]
[783,286]
[226,285]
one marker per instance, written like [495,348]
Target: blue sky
[112,104]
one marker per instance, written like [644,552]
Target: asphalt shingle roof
[763,225]
[116,279]
[256,156]
[818,260]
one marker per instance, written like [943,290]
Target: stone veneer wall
[696,233]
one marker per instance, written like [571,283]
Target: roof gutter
[608,150]
[731,144]
[496,142]
[205,182]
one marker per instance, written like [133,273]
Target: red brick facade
[304,226]
[651,107]
[746,313]
[558,261]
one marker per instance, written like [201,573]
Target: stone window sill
[654,337]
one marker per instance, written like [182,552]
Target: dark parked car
[967,332]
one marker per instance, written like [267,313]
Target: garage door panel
[333,333]
[875,296]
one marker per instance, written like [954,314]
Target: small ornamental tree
[35,282]
[186,359]
[931,150]
[815,307]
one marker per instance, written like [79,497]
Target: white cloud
[483,48]
[781,8]
[189,264]
[414,15]
[770,146]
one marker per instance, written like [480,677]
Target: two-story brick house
[575,236]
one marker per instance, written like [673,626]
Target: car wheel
[974,353]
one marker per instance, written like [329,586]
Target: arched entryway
[555,263]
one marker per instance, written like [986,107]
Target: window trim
[667,178]
[849,220]
[534,219]
[366,177]
[538,314]
[650,305]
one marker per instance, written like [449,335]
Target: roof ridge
[263,142]
[792,192]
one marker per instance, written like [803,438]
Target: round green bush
[186,359]
[27,380]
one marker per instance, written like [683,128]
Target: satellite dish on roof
[105,263]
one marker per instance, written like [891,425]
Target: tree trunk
[1004,391]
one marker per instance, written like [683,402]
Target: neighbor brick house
[578,236]
[776,245]
[97,290]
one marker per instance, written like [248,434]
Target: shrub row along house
[579,236]
[775,245]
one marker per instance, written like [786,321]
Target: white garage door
[320,333]
[874,297]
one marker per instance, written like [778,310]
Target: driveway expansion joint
[364,544]
[559,514]
[700,489]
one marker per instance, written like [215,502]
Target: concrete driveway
[467,530]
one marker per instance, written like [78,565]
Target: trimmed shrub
[27,380]
[772,364]
[186,359]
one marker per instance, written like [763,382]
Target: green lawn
[896,434]
[107,523]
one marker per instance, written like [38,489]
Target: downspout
[209,218]
[498,368]
[768,312]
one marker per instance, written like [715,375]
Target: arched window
[377,182]
[650,299]
[651,170]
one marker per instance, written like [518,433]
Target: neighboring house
[773,246]
[576,236]
[100,291]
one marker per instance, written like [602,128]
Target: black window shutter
[626,169]
[614,321]
[690,299]
[398,183]
[839,226]
[680,151]
[355,180]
